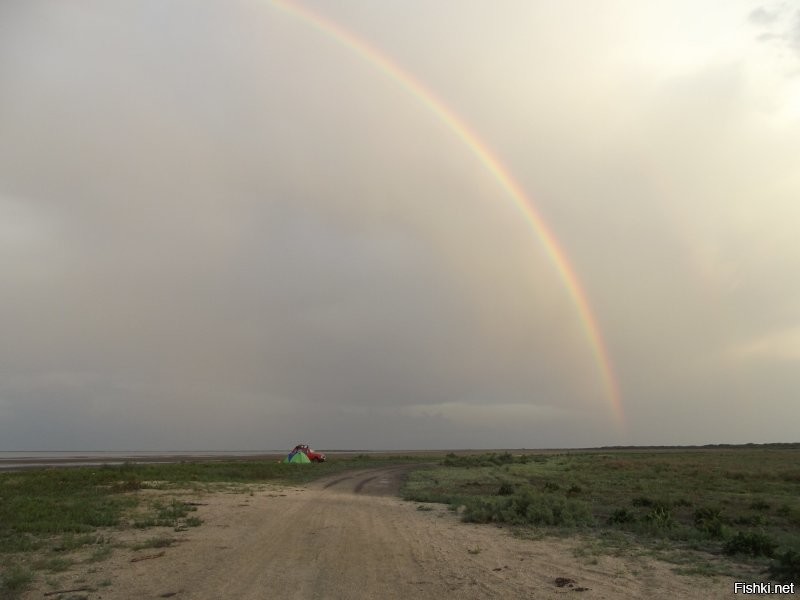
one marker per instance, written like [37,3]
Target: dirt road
[350,537]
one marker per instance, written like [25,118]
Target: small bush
[14,581]
[709,521]
[791,514]
[505,489]
[131,484]
[100,553]
[528,508]
[491,459]
[72,542]
[18,542]
[752,544]
[503,459]
[643,501]
[174,510]
[155,542]
[574,490]
[791,476]
[660,518]
[54,564]
[786,569]
[751,520]
[144,523]
[621,516]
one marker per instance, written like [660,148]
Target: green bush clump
[621,516]
[710,521]
[490,459]
[528,508]
[646,502]
[751,520]
[660,518]
[574,490]
[505,489]
[751,543]
[791,514]
[14,581]
[786,568]
[174,511]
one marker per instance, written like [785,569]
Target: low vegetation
[49,516]
[740,505]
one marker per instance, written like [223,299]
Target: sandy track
[349,537]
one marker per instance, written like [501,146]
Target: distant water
[29,459]
[36,454]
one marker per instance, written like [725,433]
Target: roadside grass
[738,505]
[14,580]
[47,515]
[159,541]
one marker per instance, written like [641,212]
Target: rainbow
[483,153]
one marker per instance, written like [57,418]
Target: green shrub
[642,501]
[574,490]
[505,489]
[660,518]
[751,520]
[54,564]
[751,543]
[14,581]
[528,508]
[786,569]
[161,541]
[490,459]
[173,511]
[15,541]
[71,542]
[621,516]
[709,521]
[131,484]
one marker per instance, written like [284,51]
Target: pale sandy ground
[349,537]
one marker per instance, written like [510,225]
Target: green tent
[297,458]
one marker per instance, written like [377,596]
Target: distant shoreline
[35,459]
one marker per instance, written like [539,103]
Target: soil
[351,537]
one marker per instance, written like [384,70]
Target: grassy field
[50,517]
[733,511]
[730,511]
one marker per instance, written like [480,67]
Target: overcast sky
[223,228]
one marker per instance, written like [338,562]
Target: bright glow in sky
[223,228]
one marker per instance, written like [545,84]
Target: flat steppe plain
[349,536]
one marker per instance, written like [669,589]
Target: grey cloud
[779,26]
[794,34]
[763,16]
[210,262]
[225,231]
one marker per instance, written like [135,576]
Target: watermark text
[741,587]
